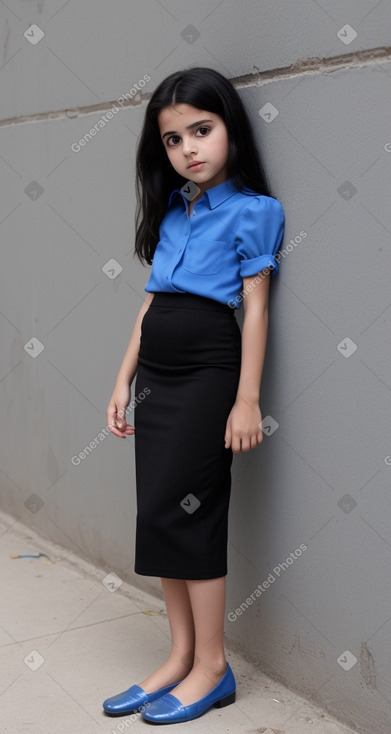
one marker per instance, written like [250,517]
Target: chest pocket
[204,256]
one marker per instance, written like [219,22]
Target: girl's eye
[177,137]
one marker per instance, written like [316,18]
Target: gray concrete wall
[309,518]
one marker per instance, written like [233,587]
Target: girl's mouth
[195,166]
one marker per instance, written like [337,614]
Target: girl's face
[189,135]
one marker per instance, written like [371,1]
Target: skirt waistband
[189,300]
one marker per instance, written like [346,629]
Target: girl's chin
[196,172]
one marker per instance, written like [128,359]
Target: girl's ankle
[183,662]
[217,666]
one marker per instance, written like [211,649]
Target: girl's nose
[189,147]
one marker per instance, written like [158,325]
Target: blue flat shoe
[169,710]
[128,702]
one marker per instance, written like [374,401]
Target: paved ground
[67,642]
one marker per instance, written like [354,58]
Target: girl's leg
[207,599]
[181,622]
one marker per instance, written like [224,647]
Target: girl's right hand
[116,412]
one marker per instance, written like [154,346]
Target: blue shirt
[229,236]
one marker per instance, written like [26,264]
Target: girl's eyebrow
[193,124]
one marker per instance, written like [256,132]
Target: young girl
[209,226]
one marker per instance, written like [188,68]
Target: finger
[121,419]
[254,441]
[235,443]
[227,438]
[246,445]
[115,431]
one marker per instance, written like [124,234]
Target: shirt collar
[215,195]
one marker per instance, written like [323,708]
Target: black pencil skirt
[188,370]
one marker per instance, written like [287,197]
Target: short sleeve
[259,235]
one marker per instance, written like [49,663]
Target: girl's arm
[243,431]
[120,399]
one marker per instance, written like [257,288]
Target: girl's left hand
[243,430]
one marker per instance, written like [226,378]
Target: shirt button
[194,213]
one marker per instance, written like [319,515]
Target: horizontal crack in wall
[316,65]
[309,66]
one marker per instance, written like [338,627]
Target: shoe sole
[121,713]
[218,705]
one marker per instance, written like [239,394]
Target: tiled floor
[67,643]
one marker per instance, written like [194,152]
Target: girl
[209,226]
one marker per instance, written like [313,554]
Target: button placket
[186,236]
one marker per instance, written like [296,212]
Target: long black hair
[208,90]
